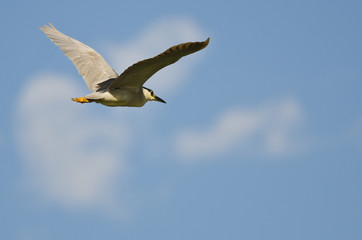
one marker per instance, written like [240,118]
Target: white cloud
[266,130]
[153,40]
[72,156]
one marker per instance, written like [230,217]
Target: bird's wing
[137,74]
[90,64]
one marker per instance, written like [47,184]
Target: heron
[109,88]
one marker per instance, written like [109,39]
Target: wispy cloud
[71,156]
[268,129]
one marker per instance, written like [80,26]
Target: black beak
[159,99]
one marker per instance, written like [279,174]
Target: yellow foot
[80,100]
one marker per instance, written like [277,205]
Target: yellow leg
[80,100]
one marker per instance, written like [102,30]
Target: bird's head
[150,95]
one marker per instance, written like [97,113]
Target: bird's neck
[147,94]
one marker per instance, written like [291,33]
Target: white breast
[124,97]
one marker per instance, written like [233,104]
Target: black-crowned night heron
[109,88]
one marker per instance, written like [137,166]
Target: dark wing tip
[206,42]
[187,48]
[200,45]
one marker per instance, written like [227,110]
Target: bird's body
[124,96]
[109,88]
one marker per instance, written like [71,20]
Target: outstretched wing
[90,64]
[137,74]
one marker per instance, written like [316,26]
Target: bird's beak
[159,99]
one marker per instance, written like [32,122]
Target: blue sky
[261,136]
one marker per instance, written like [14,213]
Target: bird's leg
[80,100]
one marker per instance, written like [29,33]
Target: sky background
[261,136]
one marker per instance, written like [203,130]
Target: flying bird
[109,88]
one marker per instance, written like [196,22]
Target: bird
[109,88]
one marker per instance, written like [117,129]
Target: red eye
[152,94]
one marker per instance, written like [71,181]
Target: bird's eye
[152,94]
